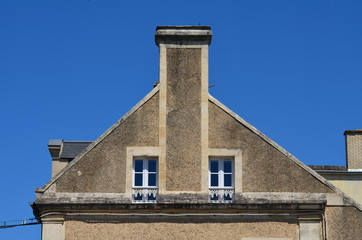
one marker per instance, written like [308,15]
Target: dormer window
[221,180]
[145,180]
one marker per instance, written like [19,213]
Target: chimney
[354,148]
[183,133]
[55,147]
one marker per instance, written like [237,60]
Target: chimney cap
[55,142]
[185,27]
[353,131]
[183,35]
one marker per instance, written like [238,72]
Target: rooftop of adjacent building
[328,169]
[66,149]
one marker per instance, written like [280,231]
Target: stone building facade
[181,165]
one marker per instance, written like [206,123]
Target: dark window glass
[214,197]
[227,180]
[138,197]
[152,165]
[214,165]
[138,165]
[151,197]
[152,179]
[227,166]
[138,179]
[214,180]
[227,197]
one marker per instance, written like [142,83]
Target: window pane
[151,197]
[138,197]
[227,180]
[214,166]
[214,180]
[152,179]
[227,166]
[227,197]
[214,197]
[152,165]
[138,165]
[138,179]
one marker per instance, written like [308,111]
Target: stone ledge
[183,198]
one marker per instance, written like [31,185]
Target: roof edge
[285,152]
[99,139]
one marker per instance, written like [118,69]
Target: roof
[328,168]
[71,149]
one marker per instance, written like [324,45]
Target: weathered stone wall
[343,223]
[183,132]
[265,169]
[192,229]
[103,169]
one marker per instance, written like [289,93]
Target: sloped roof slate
[71,149]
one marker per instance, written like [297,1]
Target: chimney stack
[55,147]
[183,104]
[354,148]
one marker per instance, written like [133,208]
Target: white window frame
[221,190]
[145,172]
[221,172]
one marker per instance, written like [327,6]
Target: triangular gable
[230,113]
[285,153]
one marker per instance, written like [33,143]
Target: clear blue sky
[70,69]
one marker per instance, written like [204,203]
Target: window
[221,183]
[144,180]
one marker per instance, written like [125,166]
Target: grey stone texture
[343,223]
[183,131]
[103,168]
[182,228]
[265,169]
